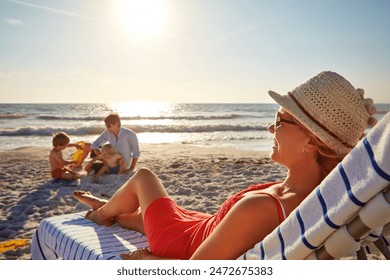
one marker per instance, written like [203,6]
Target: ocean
[244,126]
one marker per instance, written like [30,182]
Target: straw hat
[330,107]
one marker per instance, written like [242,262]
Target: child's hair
[60,139]
[108,148]
[112,119]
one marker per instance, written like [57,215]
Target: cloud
[13,21]
[58,11]
[76,15]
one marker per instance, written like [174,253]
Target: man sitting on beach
[124,141]
[57,163]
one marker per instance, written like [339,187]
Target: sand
[198,178]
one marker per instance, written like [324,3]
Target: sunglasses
[279,120]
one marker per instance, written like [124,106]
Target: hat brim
[292,108]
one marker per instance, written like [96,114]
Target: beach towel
[12,244]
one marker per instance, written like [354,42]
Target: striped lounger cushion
[72,237]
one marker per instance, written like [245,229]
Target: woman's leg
[132,221]
[138,192]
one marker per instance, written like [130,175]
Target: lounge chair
[352,201]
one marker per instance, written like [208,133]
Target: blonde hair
[108,149]
[327,158]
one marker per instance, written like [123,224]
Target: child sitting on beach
[57,163]
[113,162]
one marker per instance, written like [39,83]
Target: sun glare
[143,18]
[135,109]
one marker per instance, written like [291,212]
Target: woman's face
[289,139]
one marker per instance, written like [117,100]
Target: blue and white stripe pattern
[359,177]
[72,237]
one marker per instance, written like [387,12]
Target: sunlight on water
[135,109]
[156,138]
[236,125]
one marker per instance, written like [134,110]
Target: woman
[317,124]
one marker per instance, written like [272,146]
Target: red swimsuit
[175,232]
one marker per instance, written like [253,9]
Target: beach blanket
[362,174]
[70,183]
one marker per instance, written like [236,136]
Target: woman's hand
[141,254]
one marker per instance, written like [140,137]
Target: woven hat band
[318,123]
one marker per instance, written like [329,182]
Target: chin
[272,155]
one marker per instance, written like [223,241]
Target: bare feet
[94,217]
[89,199]
[140,254]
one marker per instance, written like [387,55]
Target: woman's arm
[248,222]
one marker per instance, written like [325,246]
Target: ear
[309,148]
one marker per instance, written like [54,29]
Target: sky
[225,51]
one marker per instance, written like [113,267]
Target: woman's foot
[94,217]
[89,199]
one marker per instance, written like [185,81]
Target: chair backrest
[363,174]
[369,223]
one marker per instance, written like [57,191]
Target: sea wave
[381,111]
[96,130]
[12,116]
[130,118]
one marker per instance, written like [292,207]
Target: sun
[143,18]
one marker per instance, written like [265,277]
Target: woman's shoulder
[252,187]
[261,186]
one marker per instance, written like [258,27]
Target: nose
[271,128]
